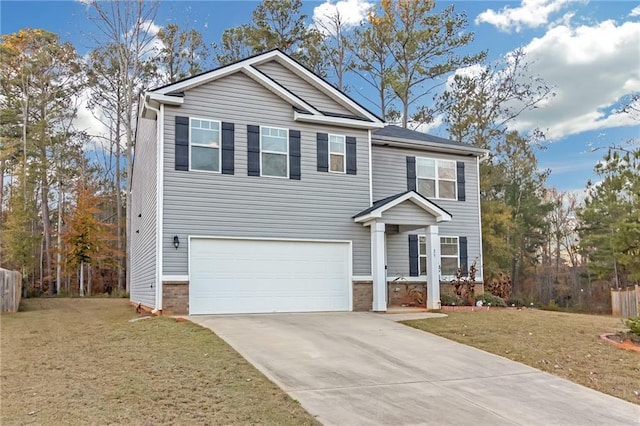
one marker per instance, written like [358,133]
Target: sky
[588,51]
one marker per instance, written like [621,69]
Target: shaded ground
[79,361]
[567,345]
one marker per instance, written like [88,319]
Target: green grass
[564,344]
[80,361]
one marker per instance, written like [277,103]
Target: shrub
[464,286]
[634,324]
[494,300]
[516,301]
[551,306]
[450,300]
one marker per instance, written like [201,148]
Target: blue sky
[588,50]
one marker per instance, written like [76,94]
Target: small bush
[551,306]
[634,324]
[516,301]
[450,300]
[494,300]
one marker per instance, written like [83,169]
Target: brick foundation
[175,297]
[362,296]
[406,293]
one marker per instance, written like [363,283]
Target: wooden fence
[10,290]
[626,302]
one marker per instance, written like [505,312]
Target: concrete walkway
[364,368]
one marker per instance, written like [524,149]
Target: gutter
[453,149]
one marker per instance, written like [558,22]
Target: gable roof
[401,136]
[303,111]
[380,206]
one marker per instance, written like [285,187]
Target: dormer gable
[312,98]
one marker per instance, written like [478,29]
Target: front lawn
[80,361]
[567,345]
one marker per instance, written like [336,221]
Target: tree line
[64,200]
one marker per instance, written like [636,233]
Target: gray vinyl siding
[143,215]
[390,177]
[319,206]
[405,214]
[301,88]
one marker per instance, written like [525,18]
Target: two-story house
[259,187]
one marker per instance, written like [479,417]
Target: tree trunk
[118,189]
[89,279]
[81,279]
[405,111]
[46,230]
[59,243]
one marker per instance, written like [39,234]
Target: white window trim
[344,154]
[438,179]
[206,146]
[275,152]
[448,256]
[420,255]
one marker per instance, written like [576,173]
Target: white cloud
[426,127]
[592,68]
[635,11]
[530,14]
[85,120]
[351,13]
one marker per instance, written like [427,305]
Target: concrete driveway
[364,368]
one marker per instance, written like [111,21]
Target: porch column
[377,267]
[433,267]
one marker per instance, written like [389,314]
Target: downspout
[159,148]
[478,160]
[370,171]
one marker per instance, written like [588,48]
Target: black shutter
[294,154]
[413,256]
[182,143]
[351,155]
[461,188]
[228,139]
[323,152]
[411,173]
[253,150]
[464,258]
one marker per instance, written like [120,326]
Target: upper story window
[274,152]
[337,153]
[204,142]
[436,178]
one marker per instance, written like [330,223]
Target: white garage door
[253,276]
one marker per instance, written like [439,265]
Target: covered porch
[404,212]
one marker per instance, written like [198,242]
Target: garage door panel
[253,276]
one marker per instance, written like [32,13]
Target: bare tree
[128,26]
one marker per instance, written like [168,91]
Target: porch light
[176,242]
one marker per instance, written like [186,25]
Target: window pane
[449,249]
[274,164]
[337,163]
[336,138]
[427,187]
[337,147]
[446,170]
[423,265]
[449,265]
[270,143]
[422,247]
[426,167]
[205,159]
[447,189]
[205,137]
